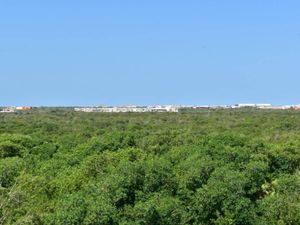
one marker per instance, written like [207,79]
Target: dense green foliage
[205,167]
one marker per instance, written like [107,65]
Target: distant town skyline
[89,53]
[151,109]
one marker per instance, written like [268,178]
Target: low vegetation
[194,167]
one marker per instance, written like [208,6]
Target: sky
[208,52]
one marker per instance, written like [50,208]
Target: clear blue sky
[63,52]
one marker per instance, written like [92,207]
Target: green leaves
[281,204]
[157,209]
[204,167]
[14,145]
[223,195]
[9,170]
[9,149]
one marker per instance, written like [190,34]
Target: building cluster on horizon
[250,105]
[157,108]
[266,106]
[177,108]
[11,109]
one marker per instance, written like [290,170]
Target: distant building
[23,108]
[264,106]
[243,105]
[8,110]
[295,107]
[140,109]
[15,108]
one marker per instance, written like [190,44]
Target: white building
[8,110]
[139,109]
[245,105]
